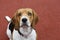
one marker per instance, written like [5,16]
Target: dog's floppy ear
[15,21]
[35,19]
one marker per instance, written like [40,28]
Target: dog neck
[25,33]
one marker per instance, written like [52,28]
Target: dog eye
[19,14]
[29,13]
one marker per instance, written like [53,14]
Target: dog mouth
[24,26]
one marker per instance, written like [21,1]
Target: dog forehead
[25,10]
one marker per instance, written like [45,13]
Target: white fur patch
[8,31]
[17,36]
[8,18]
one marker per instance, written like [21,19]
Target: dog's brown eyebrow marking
[19,14]
[29,13]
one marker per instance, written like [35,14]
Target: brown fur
[15,21]
[35,19]
[16,18]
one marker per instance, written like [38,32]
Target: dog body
[21,26]
[32,36]
[17,36]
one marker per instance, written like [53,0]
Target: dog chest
[17,36]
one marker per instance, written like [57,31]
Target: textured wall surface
[48,27]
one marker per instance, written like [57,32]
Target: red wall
[48,27]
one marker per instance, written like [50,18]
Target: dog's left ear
[35,18]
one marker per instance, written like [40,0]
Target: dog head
[24,18]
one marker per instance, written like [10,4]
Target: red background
[48,27]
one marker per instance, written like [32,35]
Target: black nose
[24,20]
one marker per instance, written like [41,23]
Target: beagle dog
[21,26]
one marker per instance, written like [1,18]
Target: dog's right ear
[15,21]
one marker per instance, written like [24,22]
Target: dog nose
[24,20]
